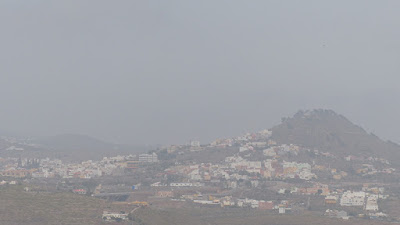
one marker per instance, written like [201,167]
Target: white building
[195,143]
[186,184]
[353,198]
[148,158]
[243,149]
[112,216]
[270,152]
[372,203]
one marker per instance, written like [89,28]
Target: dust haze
[165,72]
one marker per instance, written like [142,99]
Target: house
[112,216]
[244,148]
[205,202]
[186,184]
[306,175]
[330,200]
[254,203]
[378,215]
[372,203]
[353,198]
[79,191]
[227,201]
[336,214]
[248,203]
[148,158]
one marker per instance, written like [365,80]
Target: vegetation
[198,216]
[18,207]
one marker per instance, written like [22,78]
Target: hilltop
[328,131]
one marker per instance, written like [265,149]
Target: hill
[70,147]
[82,147]
[328,131]
[74,142]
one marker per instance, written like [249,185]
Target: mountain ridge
[328,131]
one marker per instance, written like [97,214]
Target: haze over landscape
[199,112]
[166,72]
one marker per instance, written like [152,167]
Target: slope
[328,131]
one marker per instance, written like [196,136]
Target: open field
[19,208]
[209,216]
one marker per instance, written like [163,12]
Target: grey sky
[148,72]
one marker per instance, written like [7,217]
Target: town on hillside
[250,172]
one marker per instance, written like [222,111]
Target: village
[251,171]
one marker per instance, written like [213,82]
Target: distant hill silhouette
[74,142]
[82,147]
[328,131]
[70,147]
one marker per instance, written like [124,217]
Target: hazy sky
[148,72]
